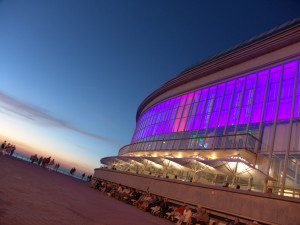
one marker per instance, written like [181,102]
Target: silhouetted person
[51,164]
[40,160]
[72,171]
[269,191]
[57,166]
[3,145]
[82,176]
[226,184]
[12,150]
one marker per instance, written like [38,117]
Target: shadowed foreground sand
[32,195]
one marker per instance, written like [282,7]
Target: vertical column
[176,109]
[239,111]
[289,132]
[263,111]
[210,111]
[229,108]
[201,115]
[251,106]
[215,131]
[274,130]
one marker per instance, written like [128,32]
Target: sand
[33,195]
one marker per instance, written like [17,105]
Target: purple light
[285,107]
[182,124]
[200,109]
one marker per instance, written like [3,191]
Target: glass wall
[244,104]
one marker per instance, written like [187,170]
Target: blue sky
[73,73]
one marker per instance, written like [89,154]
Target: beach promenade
[33,195]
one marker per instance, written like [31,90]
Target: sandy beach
[30,194]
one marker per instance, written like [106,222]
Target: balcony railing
[230,141]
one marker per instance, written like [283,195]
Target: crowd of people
[157,205]
[45,162]
[7,148]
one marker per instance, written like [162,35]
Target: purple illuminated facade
[236,104]
[243,101]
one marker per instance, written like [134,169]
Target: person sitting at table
[203,217]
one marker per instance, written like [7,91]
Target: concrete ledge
[263,207]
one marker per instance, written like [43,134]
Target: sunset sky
[73,73]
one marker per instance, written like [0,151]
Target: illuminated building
[232,117]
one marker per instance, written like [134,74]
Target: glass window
[204,94]
[236,101]
[250,83]
[164,126]
[223,118]
[208,106]
[289,70]
[163,115]
[171,103]
[273,92]
[173,114]
[256,113]
[295,140]
[182,101]
[213,120]
[196,122]
[217,104]
[197,96]
[275,74]
[158,131]
[298,87]
[262,78]
[220,90]
[190,98]
[270,110]
[281,138]
[169,127]
[189,124]
[179,112]
[259,94]
[182,124]
[233,117]
[175,126]
[285,109]
[226,102]
[212,92]
[186,110]
[248,95]
[154,129]
[239,84]
[204,122]
[177,100]
[245,113]
[193,109]
[229,87]
[297,108]
[287,88]
[200,107]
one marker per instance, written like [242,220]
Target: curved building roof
[276,38]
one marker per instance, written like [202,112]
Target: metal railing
[230,141]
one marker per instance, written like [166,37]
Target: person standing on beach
[7,148]
[51,164]
[40,160]
[82,176]
[47,161]
[57,166]
[13,148]
[3,145]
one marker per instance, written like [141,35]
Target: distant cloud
[10,105]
